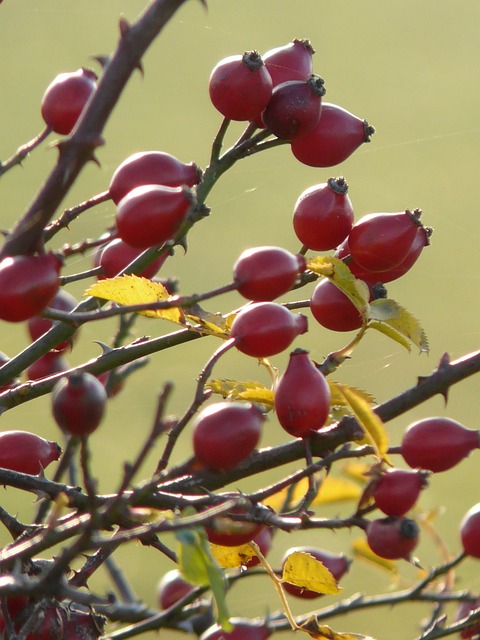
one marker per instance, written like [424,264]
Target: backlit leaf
[339,405]
[303,570]
[132,290]
[362,550]
[333,489]
[324,632]
[247,390]
[400,320]
[369,421]
[232,557]
[340,275]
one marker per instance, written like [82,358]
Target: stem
[23,151]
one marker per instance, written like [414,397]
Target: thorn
[204,3]
[124,26]
[102,60]
[105,348]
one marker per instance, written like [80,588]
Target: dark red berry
[47,623]
[337,135]
[332,309]
[152,214]
[264,273]
[323,215]
[82,625]
[294,108]
[264,329]
[302,396]
[470,531]
[240,86]
[37,326]
[437,444]
[152,167]
[26,452]
[230,531]
[292,61]
[47,365]
[78,403]
[336,563]
[117,255]
[381,241]
[393,537]
[225,433]
[397,490]
[66,97]
[242,630]
[27,285]
[171,588]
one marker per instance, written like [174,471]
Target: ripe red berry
[240,86]
[392,537]
[381,241]
[470,531]
[264,273]
[152,167]
[66,97]
[26,452]
[243,629]
[397,490]
[117,254]
[152,214]
[294,108]
[171,588]
[337,563]
[437,444]
[229,531]
[332,309]
[336,136]
[78,403]
[323,215]
[302,396]
[37,326]
[47,365]
[81,625]
[225,433]
[264,329]
[27,285]
[292,61]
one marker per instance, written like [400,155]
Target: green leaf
[401,322]
[198,567]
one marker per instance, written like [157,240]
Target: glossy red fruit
[337,563]
[152,214]
[117,255]
[228,531]
[302,396]
[337,135]
[294,109]
[171,588]
[332,309]
[264,329]
[38,326]
[26,452]
[66,97]
[464,609]
[264,273]
[27,285]
[381,241]
[240,86]
[47,365]
[78,403]
[243,629]
[225,433]
[422,240]
[323,215]
[393,537]
[292,61]
[470,531]
[396,491]
[437,444]
[152,167]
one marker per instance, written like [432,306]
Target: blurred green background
[411,69]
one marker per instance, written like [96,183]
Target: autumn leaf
[303,570]
[324,632]
[340,275]
[247,390]
[390,318]
[232,557]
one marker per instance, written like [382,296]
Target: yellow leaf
[303,570]
[390,332]
[324,632]
[369,421]
[362,550]
[400,320]
[340,275]
[356,469]
[339,406]
[132,290]
[232,557]
[334,489]
[247,390]
[212,323]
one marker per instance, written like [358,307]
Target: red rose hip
[393,537]
[397,490]
[470,531]
[78,403]
[26,452]
[66,97]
